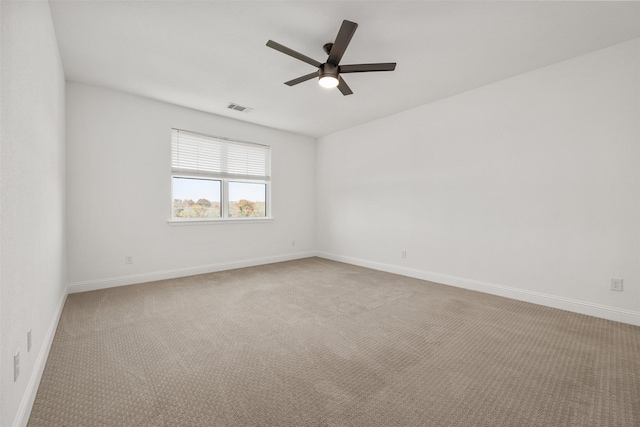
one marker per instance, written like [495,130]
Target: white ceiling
[206,54]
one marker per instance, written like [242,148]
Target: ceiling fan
[329,72]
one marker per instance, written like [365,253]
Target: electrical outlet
[615,285]
[29,340]
[293,243]
[128,259]
[16,366]
[404,253]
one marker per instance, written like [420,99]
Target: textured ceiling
[206,54]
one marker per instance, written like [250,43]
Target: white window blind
[207,156]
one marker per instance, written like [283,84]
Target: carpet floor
[314,342]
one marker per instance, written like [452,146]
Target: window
[214,178]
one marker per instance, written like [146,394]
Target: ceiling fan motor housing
[328,70]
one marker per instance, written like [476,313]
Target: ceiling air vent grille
[241,108]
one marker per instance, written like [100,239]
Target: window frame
[267,198]
[187,176]
[224,189]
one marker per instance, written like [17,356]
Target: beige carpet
[315,343]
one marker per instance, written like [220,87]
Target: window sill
[181,222]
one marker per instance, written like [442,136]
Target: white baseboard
[92,285]
[568,304]
[22,416]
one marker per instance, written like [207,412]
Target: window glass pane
[247,199]
[196,198]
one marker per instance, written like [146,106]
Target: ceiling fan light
[328,81]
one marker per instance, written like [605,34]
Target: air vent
[241,108]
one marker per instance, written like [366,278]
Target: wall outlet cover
[16,366]
[615,285]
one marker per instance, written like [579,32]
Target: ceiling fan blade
[302,79]
[344,88]
[364,68]
[293,53]
[343,38]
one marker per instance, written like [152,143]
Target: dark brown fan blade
[365,68]
[344,88]
[293,53]
[343,38]
[302,79]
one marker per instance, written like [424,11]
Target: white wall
[32,198]
[529,187]
[118,184]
